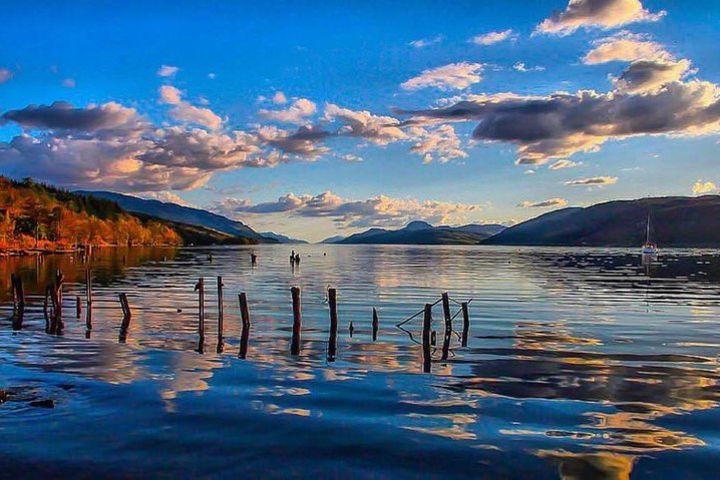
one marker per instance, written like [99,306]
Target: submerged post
[221,314]
[466,323]
[78,306]
[427,323]
[297,321]
[200,288]
[375,324]
[127,315]
[245,315]
[56,320]
[332,344]
[448,325]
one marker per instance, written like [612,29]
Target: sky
[314,119]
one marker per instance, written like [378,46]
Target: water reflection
[578,363]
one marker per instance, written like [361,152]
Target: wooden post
[221,314]
[59,279]
[18,293]
[332,344]
[46,309]
[245,315]
[78,307]
[427,324]
[88,287]
[466,323]
[297,321]
[127,316]
[200,288]
[88,302]
[375,324]
[448,325]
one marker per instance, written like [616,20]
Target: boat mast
[647,233]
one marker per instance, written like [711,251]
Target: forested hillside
[37,216]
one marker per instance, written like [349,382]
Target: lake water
[580,363]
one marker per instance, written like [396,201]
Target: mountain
[675,222]
[422,233]
[334,239]
[181,214]
[281,238]
[35,216]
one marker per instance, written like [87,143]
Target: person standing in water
[292,257]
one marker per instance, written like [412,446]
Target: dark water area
[580,363]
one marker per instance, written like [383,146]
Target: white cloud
[440,143]
[69,83]
[592,182]
[557,126]
[279,98]
[560,164]
[452,76]
[380,211]
[704,188]
[167,71]
[186,112]
[491,38]
[604,14]
[521,67]
[625,47]
[351,158]
[426,42]
[549,203]
[378,129]
[296,113]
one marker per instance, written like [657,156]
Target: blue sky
[349,62]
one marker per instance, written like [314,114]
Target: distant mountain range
[180,214]
[422,233]
[675,222]
[281,238]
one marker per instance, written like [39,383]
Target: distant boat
[649,248]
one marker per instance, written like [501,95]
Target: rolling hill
[676,222]
[180,214]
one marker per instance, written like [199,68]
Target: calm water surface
[581,363]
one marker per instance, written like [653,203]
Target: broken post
[245,315]
[127,315]
[448,325]
[466,323]
[375,324]
[200,288]
[427,324]
[221,314]
[332,344]
[297,321]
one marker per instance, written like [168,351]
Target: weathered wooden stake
[18,293]
[297,321]
[375,324]
[78,306]
[332,344]
[127,316]
[200,288]
[466,323]
[245,315]
[88,287]
[427,324]
[448,325]
[221,314]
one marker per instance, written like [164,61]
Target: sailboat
[648,247]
